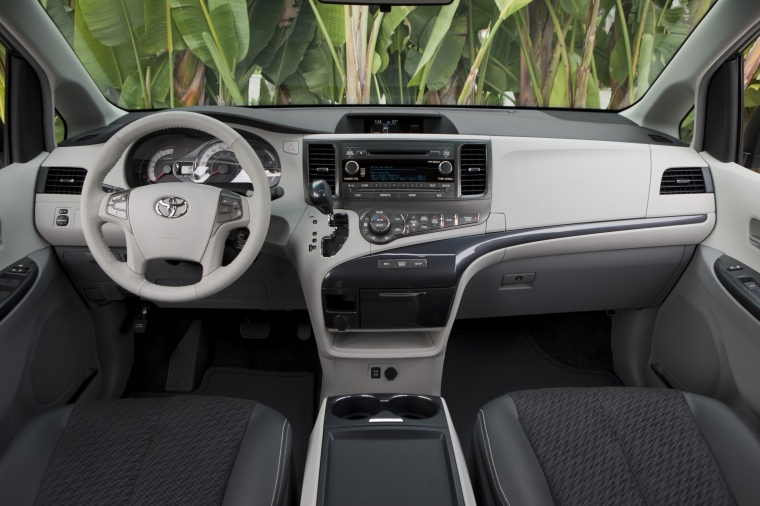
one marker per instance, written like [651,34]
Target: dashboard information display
[400,171]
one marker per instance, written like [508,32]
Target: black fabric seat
[613,446]
[171,450]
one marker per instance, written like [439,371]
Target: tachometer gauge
[217,164]
[160,166]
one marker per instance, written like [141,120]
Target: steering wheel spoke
[114,208]
[232,212]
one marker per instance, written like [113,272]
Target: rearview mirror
[387,3]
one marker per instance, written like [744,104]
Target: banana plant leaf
[434,38]
[193,20]
[113,22]
[446,58]
[161,33]
[262,20]
[290,54]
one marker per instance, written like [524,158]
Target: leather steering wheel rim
[256,210]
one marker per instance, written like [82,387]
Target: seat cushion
[176,450]
[613,446]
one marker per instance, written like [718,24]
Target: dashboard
[453,216]
[470,214]
[189,157]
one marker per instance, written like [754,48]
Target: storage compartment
[387,449]
[389,467]
[620,279]
[387,309]
[403,309]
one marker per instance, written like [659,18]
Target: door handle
[754,232]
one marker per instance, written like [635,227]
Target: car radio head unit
[398,172]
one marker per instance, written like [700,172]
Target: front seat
[613,446]
[170,450]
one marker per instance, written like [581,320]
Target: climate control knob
[445,168]
[380,224]
[352,167]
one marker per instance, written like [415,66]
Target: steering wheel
[177,221]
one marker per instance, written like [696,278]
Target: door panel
[47,344]
[18,235]
[704,339]
[737,199]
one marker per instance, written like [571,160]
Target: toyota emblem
[172,207]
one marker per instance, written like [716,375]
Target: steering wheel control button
[172,207]
[62,220]
[230,207]
[117,205]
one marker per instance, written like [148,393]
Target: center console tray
[379,450]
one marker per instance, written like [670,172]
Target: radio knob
[445,168]
[351,168]
[380,223]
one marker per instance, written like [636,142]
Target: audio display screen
[399,171]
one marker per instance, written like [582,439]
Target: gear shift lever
[321,198]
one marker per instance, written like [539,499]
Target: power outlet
[384,372]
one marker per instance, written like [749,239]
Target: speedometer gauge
[160,165]
[217,164]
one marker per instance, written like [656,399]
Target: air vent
[322,163]
[660,139]
[472,169]
[64,180]
[682,180]
[85,137]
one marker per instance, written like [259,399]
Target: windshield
[588,54]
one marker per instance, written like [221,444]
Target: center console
[399,188]
[386,449]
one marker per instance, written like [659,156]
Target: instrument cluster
[191,157]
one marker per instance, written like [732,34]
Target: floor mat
[481,366]
[290,393]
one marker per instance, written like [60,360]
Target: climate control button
[380,223]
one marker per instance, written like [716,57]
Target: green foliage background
[146,54]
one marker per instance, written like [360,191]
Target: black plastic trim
[26,128]
[25,281]
[449,258]
[723,118]
[731,281]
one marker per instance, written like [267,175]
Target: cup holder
[412,407]
[357,407]
[360,407]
